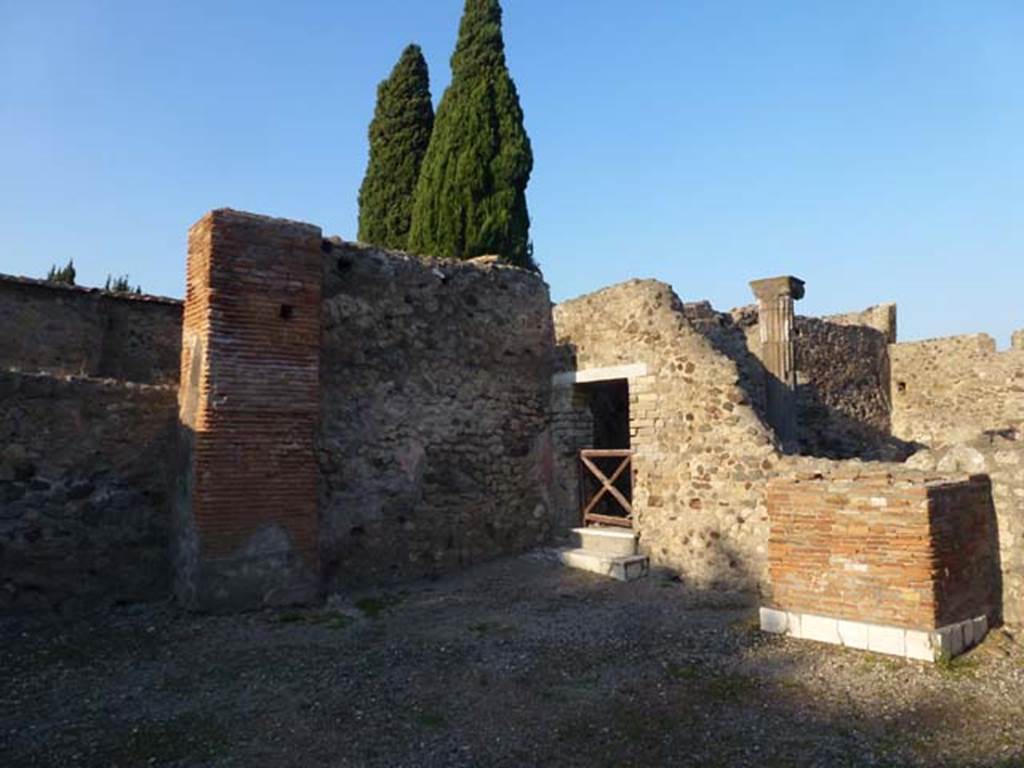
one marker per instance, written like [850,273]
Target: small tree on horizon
[399,134]
[471,196]
[64,275]
[121,285]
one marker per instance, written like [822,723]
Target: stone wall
[881,317]
[1001,457]
[702,454]
[434,441]
[843,382]
[83,491]
[843,390]
[70,330]
[952,389]
[912,551]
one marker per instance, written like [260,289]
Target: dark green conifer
[121,285]
[471,195]
[399,135]
[64,275]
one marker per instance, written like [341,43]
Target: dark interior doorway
[608,403]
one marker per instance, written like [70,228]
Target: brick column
[775,297]
[246,506]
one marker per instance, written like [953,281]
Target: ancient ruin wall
[908,551]
[434,447]
[843,385]
[1001,457]
[949,390]
[842,389]
[83,491]
[246,516]
[881,317]
[702,455]
[70,330]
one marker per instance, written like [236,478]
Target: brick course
[911,552]
[248,531]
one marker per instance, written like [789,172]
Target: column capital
[770,288]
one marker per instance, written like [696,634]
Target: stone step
[604,540]
[622,568]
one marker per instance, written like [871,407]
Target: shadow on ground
[515,663]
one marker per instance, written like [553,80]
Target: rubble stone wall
[842,389]
[953,389]
[1000,457]
[843,382]
[76,331]
[702,454]
[84,479]
[435,450]
[881,317]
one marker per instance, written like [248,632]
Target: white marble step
[620,542]
[620,567]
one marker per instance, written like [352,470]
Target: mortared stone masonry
[246,518]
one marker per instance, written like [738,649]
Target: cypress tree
[471,195]
[65,275]
[399,134]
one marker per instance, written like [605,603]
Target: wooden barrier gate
[587,465]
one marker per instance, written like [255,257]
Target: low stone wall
[71,330]
[911,552]
[434,450]
[702,454]
[1001,457]
[83,491]
[949,390]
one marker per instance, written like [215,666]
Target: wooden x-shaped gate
[607,487]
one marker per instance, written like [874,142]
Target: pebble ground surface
[518,662]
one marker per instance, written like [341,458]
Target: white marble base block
[921,644]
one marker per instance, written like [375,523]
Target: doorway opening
[606,471]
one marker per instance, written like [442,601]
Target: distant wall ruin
[843,382]
[952,389]
[78,331]
[84,473]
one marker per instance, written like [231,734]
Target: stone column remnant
[1017,339]
[246,504]
[775,297]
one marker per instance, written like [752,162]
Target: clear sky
[873,148]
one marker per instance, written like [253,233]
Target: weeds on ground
[959,667]
[328,619]
[682,671]
[722,687]
[748,625]
[373,607]
[489,628]
[431,719]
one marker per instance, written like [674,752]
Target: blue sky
[874,149]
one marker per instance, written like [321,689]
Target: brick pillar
[246,507]
[775,297]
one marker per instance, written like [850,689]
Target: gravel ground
[515,663]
